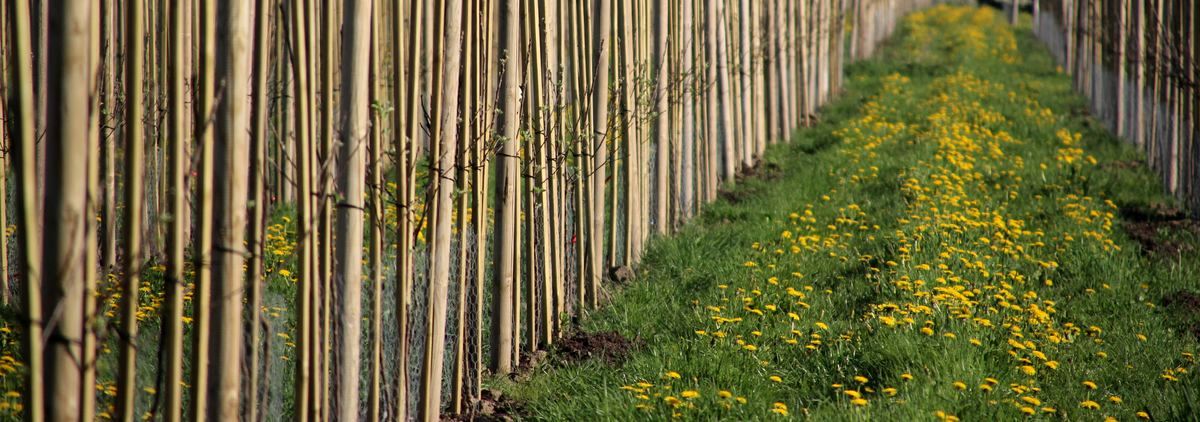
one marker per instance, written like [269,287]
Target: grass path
[946,243]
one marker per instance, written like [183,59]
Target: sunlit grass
[945,244]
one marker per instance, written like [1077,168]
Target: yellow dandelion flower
[1088,404]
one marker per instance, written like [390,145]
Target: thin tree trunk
[761,110]
[1119,121]
[631,122]
[687,71]
[328,163]
[355,122]
[91,264]
[503,277]
[1139,76]
[662,127]
[721,61]
[750,154]
[258,196]
[109,217]
[770,61]
[712,100]
[40,54]
[231,143]
[601,43]
[5,157]
[66,207]
[178,137]
[554,24]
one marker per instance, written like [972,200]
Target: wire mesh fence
[1136,63]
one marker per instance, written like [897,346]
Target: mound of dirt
[610,346]
[1150,227]
[493,406]
[1183,306]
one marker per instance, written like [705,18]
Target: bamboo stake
[202,298]
[406,88]
[440,253]
[302,392]
[25,168]
[258,179]
[482,147]
[91,262]
[134,184]
[462,186]
[178,137]
[376,188]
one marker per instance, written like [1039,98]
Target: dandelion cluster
[965,280]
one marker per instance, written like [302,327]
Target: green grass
[1081,281]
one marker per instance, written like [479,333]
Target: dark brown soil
[493,406]
[621,274]
[610,346]
[1184,306]
[765,170]
[1151,228]
[737,195]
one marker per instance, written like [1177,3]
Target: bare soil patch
[493,406]
[1153,229]
[609,346]
[1184,306]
